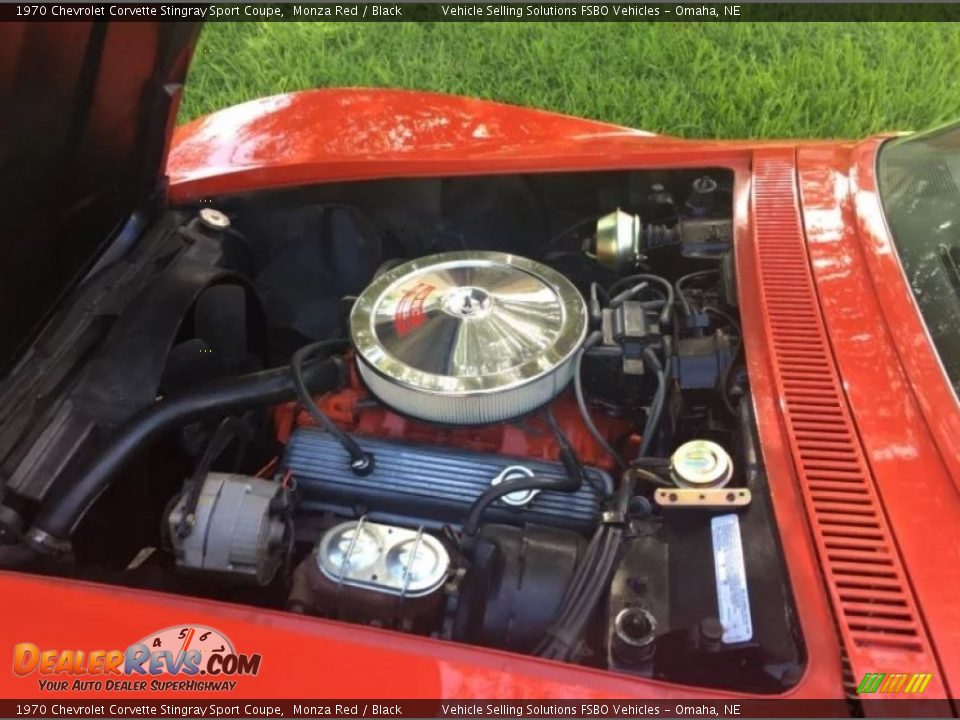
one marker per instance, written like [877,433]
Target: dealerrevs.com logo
[182,658]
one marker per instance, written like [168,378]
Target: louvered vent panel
[874,606]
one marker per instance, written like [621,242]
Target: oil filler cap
[701,464]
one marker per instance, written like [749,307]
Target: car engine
[508,411]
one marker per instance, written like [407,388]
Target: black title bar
[479,11]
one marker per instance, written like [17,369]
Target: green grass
[704,80]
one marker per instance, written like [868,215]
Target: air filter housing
[468,338]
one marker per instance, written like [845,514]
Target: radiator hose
[60,513]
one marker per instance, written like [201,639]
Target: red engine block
[353,409]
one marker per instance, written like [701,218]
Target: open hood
[86,111]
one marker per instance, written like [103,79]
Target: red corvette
[387,394]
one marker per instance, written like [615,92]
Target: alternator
[239,527]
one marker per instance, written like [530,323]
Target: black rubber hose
[628,294]
[592,578]
[659,400]
[574,590]
[666,314]
[573,481]
[678,286]
[725,377]
[361,462]
[568,637]
[591,341]
[230,429]
[59,514]
[471,525]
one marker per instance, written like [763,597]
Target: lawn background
[725,80]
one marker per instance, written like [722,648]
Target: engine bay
[507,411]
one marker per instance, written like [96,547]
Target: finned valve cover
[468,338]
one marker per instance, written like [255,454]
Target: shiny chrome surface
[513,473]
[383,558]
[617,243]
[701,464]
[479,336]
[213,219]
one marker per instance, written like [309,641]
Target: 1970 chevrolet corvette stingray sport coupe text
[413,395]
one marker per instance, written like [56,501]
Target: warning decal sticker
[733,599]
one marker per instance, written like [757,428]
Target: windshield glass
[920,188]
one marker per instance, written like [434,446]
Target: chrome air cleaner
[468,338]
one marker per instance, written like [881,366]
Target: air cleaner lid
[467,323]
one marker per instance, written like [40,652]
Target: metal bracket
[706,498]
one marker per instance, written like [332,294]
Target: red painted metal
[333,135]
[354,134]
[934,394]
[530,438]
[876,611]
[305,656]
[902,420]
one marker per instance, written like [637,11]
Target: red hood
[904,409]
